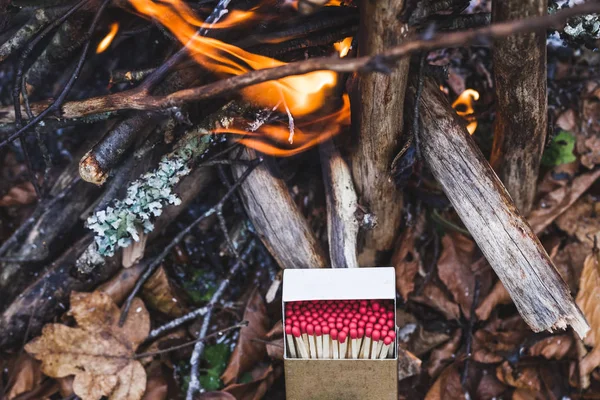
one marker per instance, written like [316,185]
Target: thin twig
[56,104]
[184,345]
[195,386]
[472,321]
[140,100]
[154,264]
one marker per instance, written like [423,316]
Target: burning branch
[503,235]
[141,100]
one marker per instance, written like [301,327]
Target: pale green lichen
[118,224]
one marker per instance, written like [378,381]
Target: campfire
[164,161]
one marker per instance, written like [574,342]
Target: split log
[485,207]
[521,104]
[342,223]
[378,106]
[282,228]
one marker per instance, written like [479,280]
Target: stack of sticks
[340,329]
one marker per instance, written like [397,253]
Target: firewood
[378,123]
[278,221]
[521,105]
[485,207]
[342,223]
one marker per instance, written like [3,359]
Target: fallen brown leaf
[588,298]
[569,262]
[19,195]
[553,348]
[156,386]
[422,341]
[447,386]
[263,377]
[567,120]
[558,201]
[489,387]
[250,347]
[453,269]
[590,152]
[497,339]
[160,294]
[134,252]
[436,298]
[444,354]
[498,295]
[527,378]
[407,261]
[408,364]
[120,285]
[26,376]
[582,220]
[98,352]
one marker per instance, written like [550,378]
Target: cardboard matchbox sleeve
[340,378]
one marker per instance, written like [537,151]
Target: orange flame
[104,43]
[303,94]
[343,47]
[275,139]
[465,102]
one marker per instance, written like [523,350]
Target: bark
[503,235]
[521,104]
[282,228]
[342,222]
[378,106]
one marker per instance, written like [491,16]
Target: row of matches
[338,329]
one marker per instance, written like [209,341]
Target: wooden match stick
[319,341]
[290,341]
[343,344]
[310,330]
[365,350]
[354,344]
[387,342]
[302,351]
[375,336]
[334,344]
[392,335]
[326,339]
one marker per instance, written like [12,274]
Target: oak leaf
[98,352]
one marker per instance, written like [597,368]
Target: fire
[104,43]
[302,95]
[273,139]
[343,47]
[464,107]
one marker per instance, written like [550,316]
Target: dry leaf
[454,271]
[567,121]
[582,220]
[160,294]
[121,284]
[27,375]
[262,379]
[489,387]
[407,261]
[526,378]
[569,262]
[157,386]
[97,352]
[558,201]
[250,347]
[436,298]
[590,151]
[447,386]
[19,195]
[134,252]
[588,298]
[497,339]
[408,364]
[275,341]
[553,348]
[422,341]
[498,295]
[444,354]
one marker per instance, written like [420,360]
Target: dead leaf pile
[98,352]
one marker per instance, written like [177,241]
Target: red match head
[296,323]
[342,336]
[318,330]
[353,325]
[387,340]
[326,330]
[390,323]
[361,324]
[315,315]
[310,329]
[339,325]
[364,318]
[392,334]
[301,318]
[377,327]
[303,326]
[326,315]
[346,321]
[296,331]
[346,329]
[361,332]
[368,332]
[382,321]
[376,335]
[307,313]
[390,315]
[362,310]
[369,325]
[334,334]
[353,333]
[363,303]
[294,317]
[375,306]
[289,312]
[372,319]
[288,329]
[309,319]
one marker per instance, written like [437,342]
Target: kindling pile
[338,329]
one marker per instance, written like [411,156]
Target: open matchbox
[349,378]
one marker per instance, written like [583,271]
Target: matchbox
[340,333]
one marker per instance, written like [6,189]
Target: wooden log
[521,104]
[276,218]
[342,223]
[485,207]
[378,106]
